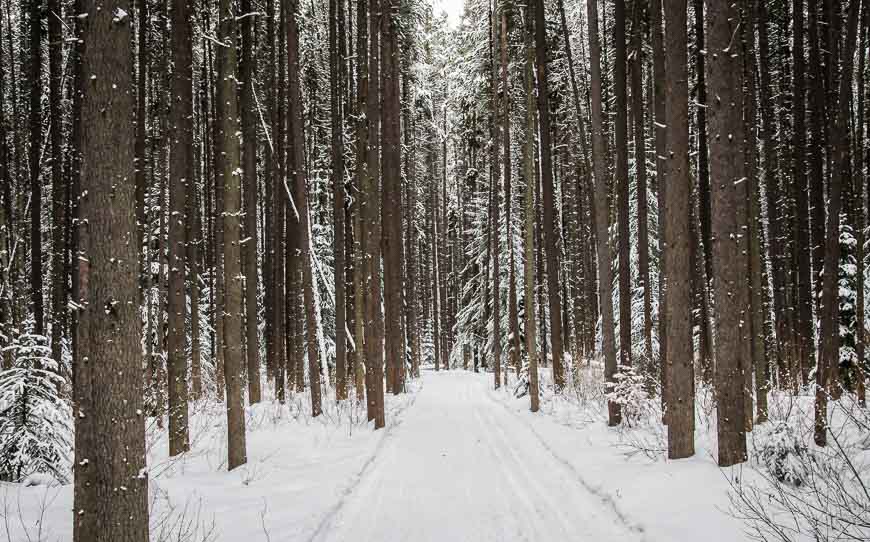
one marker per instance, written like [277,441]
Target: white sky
[452,7]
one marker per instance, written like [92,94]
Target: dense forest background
[243,201]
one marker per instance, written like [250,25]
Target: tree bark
[230,184]
[110,430]
[680,372]
[621,181]
[549,225]
[371,215]
[297,170]
[391,196]
[601,213]
[336,57]
[827,371]
[729,212]
[180,175]
[250,266]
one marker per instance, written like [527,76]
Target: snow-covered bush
[35,419]
[784,454]
[630,391]
[799,491]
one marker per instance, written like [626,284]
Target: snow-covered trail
[461,466]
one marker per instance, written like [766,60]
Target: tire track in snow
[604,497]
[357,479]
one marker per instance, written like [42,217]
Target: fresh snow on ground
[457,461]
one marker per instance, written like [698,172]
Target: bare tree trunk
[391,196]
[827,371]
[35,84]
[336,58]
[297,170]
[757,371]
[660,129]
[549,225]
[494,205]
[529,234]
[58,186]
[601,212]
[249,172]
[371,215]
[729,212]
[110,430]
[513,322]
[805,343]
[230,184]
[621,181]
[180,175]
[362,376]
[680,372]
[640,169]
[705,340]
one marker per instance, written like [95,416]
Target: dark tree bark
[601,212]
[336,56]
[660,129]
[680,374]
[297,170]
[391,193]
[548,201]
[529,230]
[513,321]
[110,428]
[729,215]
[35,84]
[804,300]
[621,180]
[494,205]
[230,184]
[58,185]
[756,372]
[247,69]
[827,371]
[371,215]
[180,175]
[705,340]
[640,169]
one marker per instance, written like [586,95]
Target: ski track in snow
[462,466]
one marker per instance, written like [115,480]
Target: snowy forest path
[462,467]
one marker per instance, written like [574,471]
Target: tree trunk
[58,186]
[35,83]
[180,175]
[230,184]
[549,225]
[805,342]
[529,234]
[110,431]
[513,322]
[640,169]
[729,212]
[680,372]
[621,180]
[391,195]
[250,265]
[371,216]
[660,128]
[336,57]
[601,212]
[297,170]
[757,370]
[827,376]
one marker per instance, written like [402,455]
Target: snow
[457,461]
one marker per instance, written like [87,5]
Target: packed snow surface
[457,461]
